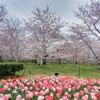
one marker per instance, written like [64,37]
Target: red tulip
[2,89]
[98,96]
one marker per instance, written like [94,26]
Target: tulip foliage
[50,88]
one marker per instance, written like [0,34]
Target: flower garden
[50,88]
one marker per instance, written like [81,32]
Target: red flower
[2,89]
[60,91]
[98,96]
[14,80]
[49,97]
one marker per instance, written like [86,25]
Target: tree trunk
[43,58]
[59,61]
[44,61]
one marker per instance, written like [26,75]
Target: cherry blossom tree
[45,28]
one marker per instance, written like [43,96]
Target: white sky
[23,8]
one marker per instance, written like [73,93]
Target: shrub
[10,68]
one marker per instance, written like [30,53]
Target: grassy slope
[86,71]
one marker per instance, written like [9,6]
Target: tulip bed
[50,88]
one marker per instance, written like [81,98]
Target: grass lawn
[68,69]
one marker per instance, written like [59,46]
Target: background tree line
[41,38]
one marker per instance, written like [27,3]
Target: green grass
[68,69]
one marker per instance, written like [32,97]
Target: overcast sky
[23,8]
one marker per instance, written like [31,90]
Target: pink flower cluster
[50,88]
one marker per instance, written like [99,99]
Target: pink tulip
[64,98]
[51,94]
[93,97]
[89,87]
[76,95]
[54,89]
[7,96]
[81,92]
[58,95]
[68,95]
[18,97]
[29,95]
[85,90]
[22,99]
[37,88]
[21,86]
[75,98]
[5,87]
[84,98]
[26,88]
[29,83]
[1,95]
[8,89]
[42,92]
[41,97]
[36,93]
[47,90]
[4,98]
[73,88]
[92,94]
[14,91]
[96,91]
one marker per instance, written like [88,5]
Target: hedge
[10,68]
